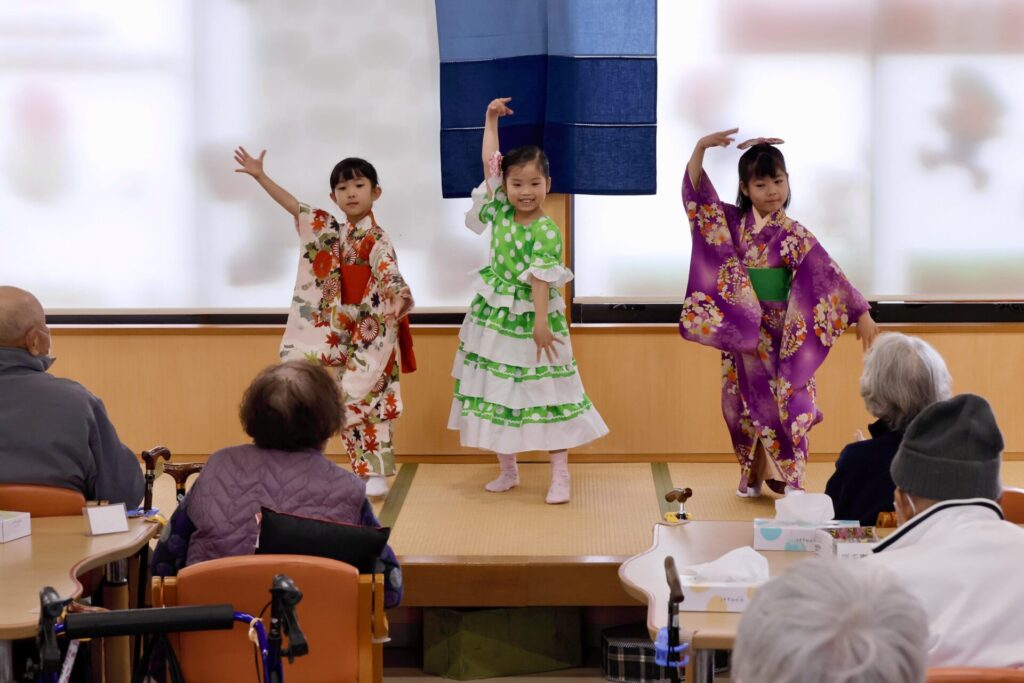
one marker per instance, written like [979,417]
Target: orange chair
[41,501]
[975,675]
[341,614]
[1012,502]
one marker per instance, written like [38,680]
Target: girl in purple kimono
[766,293]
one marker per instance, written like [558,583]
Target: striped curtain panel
[582,75]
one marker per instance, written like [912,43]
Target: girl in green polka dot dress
[516,384]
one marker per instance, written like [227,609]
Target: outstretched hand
[722,138]
[499,107]
[249,164]
[545,342]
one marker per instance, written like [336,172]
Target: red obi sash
[354,280]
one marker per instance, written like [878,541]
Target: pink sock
[559,491]
[508,477]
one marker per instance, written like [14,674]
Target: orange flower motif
[319,220]
[370,430]
[322,264]
[366,246]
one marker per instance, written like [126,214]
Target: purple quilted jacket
[236,481]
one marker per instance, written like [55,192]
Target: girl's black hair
[760,161]
[520,156]
[352,168]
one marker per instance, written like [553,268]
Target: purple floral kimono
[770,349]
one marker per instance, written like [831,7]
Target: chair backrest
[1012,502]
[41,501]
[975,675]
[336,614]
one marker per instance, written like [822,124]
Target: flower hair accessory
[759,141]
[494,165]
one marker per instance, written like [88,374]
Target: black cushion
[359,546]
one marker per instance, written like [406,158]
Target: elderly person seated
[290,411]
[953,550]
[835,621]
[902,376]
[53,431]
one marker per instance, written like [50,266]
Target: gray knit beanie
[951,450]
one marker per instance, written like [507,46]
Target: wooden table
[56,553]
[643,576]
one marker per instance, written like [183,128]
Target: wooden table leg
[116,651]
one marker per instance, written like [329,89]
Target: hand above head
[759,141]
[499,107]
[722,138]
[866,330]
[249,164]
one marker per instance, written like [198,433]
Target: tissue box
[846,543]
[715,596]
[14,525]
[770,534]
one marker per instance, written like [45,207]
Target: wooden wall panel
[658,394]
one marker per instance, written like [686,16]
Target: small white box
[14,525]
[770,534]
[847,543]
[715,596]
[105,519]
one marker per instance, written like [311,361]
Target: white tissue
[809,508]
[744,565]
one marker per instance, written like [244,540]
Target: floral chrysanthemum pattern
[782,390]
[730,378]
[733,284]
[712,225]
[764,345]
[795,246]
[830,319]
[794,332]
[701,316]
[800,426]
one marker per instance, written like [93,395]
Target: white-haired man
[53,431]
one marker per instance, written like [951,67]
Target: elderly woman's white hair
[832,621]
[902,376]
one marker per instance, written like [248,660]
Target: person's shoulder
[867,453]
[69,390]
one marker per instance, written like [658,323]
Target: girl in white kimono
[349,309]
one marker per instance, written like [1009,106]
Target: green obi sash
[770,284]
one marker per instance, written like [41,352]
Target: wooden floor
[460,546]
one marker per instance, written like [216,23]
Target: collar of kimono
[362,222]
[774,217]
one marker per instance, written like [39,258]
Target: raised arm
[495,110]
[722,138]
[254,167]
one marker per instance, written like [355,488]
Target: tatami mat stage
[462,546]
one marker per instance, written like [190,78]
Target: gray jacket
[54,432]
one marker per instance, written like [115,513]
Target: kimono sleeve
[384,262]
[546,257]
[310,222]
[488,200]
[705,195]
[822,304]
[721,309]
